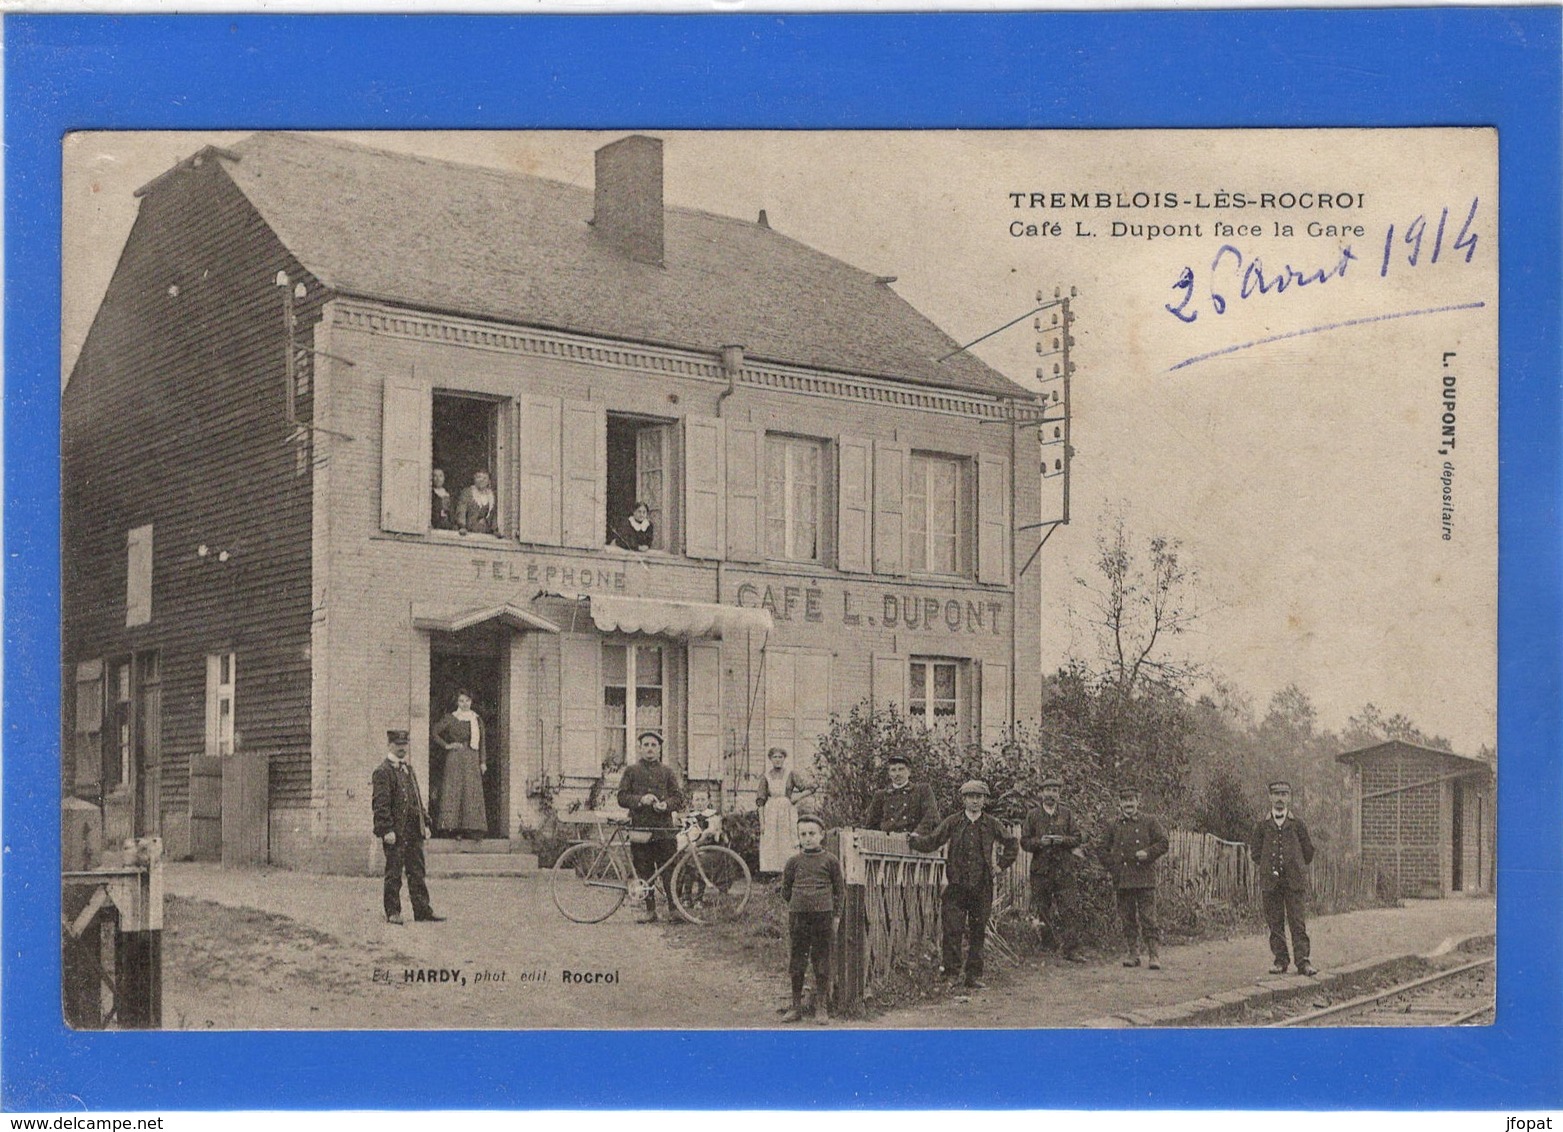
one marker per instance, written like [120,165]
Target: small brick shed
[1425,817]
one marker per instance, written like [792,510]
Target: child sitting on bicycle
[815,890]
[702,822]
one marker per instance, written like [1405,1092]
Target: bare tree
[1140,601]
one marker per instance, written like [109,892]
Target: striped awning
[674,618]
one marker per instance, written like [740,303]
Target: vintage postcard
[745,580]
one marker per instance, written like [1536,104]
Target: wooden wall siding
[175,416]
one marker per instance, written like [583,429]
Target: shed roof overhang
[674,618]
[443,619]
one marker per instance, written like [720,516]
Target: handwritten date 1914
[1232,271]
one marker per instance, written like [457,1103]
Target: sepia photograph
[730,580]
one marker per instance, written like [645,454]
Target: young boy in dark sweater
[814,889]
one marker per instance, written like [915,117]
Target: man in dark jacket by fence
[1282,852]
[968,875]
[1052,837]
[1130,849]
[904,808]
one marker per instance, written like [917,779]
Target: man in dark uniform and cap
[1282,851]
[903,808]
[968,875]
[401,823]
[1130,849]
[1052,837]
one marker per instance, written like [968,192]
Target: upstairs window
[933,507]
[466,457]
[639,468]
[793,469]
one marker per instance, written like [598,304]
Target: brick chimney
[629,197]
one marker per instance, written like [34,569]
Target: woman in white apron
[783,796]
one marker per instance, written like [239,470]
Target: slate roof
[507,246]
[1396,746]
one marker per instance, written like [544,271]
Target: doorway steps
[491,857]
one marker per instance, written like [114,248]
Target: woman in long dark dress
[460,810]
[476,508]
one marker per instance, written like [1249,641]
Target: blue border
[1343,68]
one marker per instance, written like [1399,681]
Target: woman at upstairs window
[476,509]
[441,506]
[460,812]
[636,530]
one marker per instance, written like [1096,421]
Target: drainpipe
[732,364]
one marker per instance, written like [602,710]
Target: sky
[1299,467]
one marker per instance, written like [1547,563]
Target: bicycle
[592,879]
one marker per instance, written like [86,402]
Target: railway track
[1459,996]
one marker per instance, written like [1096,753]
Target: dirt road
[277,950]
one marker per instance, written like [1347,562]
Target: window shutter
[580,706]
[813,700]
[89,723]
[538,495]
[992,519]
[995,702]
[891,463]
[213,681]
[854,504]
[889,682]
[781,709]
[703,490]
[584,455]
[745,464]
[138,576]
[406,430]
[705,710]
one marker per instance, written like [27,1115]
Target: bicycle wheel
[711,885]
[588,883]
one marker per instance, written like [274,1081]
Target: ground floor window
[221,684]
[634,691]
[935,691]
[466,457]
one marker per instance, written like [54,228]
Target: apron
[778,825]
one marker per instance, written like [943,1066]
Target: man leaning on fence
[1052,836]
[903,808]
[1282,852]
[968,873]
[1130,848]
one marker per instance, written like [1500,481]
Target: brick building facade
[1425,818]
[255,585]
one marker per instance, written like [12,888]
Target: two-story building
[301,330]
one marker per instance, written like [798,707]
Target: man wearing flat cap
[1134,842]
[903,808]
[968,874]
[1052,837]
[1282,851]
[651,792]
[401,823]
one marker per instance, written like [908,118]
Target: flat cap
[898,758]
[1279,785]
[1053,780]
[1128,791]
[657,735]
[397,735]
[976,786]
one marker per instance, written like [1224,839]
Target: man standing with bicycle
[651,792]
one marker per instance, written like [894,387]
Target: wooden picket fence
[892,905]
